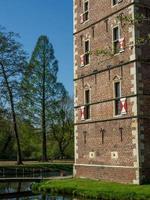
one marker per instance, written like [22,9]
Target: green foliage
[94,189]
[7,140]
[61,125]
[128,19]
[12,64]
[40,79]
[32,100]
[41,88]
[45,99]
[30,141]
[102,52]
[13,60]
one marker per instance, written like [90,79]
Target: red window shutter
[81,18]
[123,106]
[82,60]
[122,44]
[82,110]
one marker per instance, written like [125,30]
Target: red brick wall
[101,87]
[102,40]
[112,143]
[108,174]
[103,90]
[98,10]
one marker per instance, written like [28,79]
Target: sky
[32,18]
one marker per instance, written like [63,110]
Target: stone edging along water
[36,171]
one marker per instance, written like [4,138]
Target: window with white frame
[86,10]
[116,39]
[117,93]
[85,15]
[85,58]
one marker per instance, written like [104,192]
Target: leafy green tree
[40,87]
[12,63]
[6,137]
[61,124]
[30,141]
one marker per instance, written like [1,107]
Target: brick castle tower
[112,90]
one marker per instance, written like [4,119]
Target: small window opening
[87,102]
[84,137]
[93,31]
[121,133]
[81,40]
[117,98]
[116,44]
[86,10]
[87,52]
[106,25]
[114,2]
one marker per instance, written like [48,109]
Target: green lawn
[94,189]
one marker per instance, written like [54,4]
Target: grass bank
[94,189]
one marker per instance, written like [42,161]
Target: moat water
[22,191]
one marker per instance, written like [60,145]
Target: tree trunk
[44,145]
[61,147]
[61,150]
[19,158]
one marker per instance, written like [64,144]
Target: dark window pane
[86,16]
[93,32]
[116,33]
[116,44]
[86,11]
[87,46]
[81,39]
[86,6]
[117,107]
[117,101]
[116,47]
[87,55]
[87,107]
[106,24]
[115,2]
[87,96]
[117,89]
[87,112]
[86,58]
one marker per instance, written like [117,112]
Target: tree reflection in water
[22,191]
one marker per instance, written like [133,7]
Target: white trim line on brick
[106,166]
